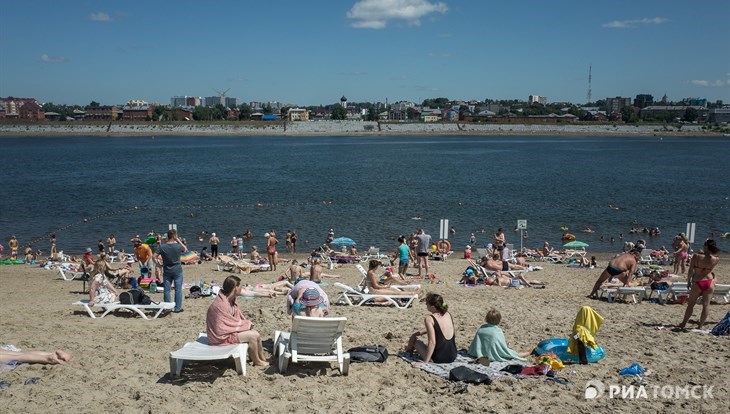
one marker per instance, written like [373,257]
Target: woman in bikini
[680,254]
[372,281]
[701,281]
[438,326]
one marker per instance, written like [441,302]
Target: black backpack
[372,353]
[134,297]
[469,376]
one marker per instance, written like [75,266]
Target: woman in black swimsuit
[438,326]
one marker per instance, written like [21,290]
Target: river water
[371,189]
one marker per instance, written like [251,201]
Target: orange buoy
[443,246]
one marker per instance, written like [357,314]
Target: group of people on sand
[488,344]
[700,275]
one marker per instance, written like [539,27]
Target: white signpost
[691,232]
[521,225]
[444,229]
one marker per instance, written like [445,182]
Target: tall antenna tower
[590,67]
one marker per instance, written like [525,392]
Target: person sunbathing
[316,272]
[372,281]
[493,263]
[35,357]
[489,344]
[294,273]
[103,267]
[267,290]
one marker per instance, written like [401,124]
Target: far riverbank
[335,128]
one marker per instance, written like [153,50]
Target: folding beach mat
[494,370]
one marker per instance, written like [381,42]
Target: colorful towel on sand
[442,370]
[189,257]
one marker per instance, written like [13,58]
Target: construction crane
[222,94]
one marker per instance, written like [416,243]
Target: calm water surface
[368,188]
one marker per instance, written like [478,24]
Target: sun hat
[88,250]
[311,297]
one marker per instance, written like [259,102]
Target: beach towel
[225,321]
[723,327]
[489,342]
[586,325]
[189,257]
[10,365]
[494,370]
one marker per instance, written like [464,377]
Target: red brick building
[31,112]
[102,112]
[137,113]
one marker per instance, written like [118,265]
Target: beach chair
[373,253]
[352,297]
[675,290]
[722,292]
[312,339]
[70,275]
[481,252]
[637,294]
[201,351]
[115,306]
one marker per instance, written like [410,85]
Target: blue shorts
[403,263]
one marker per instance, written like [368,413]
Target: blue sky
[313,52]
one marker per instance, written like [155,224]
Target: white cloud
[52,59]
[709,84]
[100,17]
[627,24]
[375,14]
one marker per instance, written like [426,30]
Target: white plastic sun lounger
[115,306]
[352,297]
[69,275]
[312,339]
[201,351]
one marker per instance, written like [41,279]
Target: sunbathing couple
[496,265]
[385,287]
[295,273]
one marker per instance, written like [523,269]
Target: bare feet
[59,357]
[262,364]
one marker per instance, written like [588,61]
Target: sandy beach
[342,128]
[121,362]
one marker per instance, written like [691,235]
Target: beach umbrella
[575,244]
[343,241]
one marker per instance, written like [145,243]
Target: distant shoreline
[343,128]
